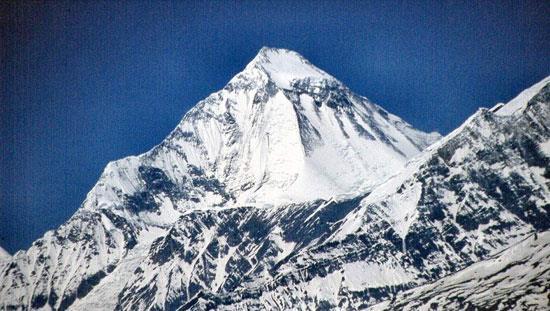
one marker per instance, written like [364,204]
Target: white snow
[326,287]
[4,255]
[221,264]
[398,207]
[263,157]
[105,295]
[507,275]
[460,154]
[284,66]
[545,147]
[517,104]
[360,275]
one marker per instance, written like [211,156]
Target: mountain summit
[285,66]
[282,130]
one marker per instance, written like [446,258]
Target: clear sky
[86,83]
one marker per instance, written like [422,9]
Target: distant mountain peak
[285,66]
[283,130]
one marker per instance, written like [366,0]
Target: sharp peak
[283,66]
[277,56]
[266,52]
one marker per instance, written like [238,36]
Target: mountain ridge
[451,228]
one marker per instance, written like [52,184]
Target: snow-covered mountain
[283,131]
[477,192]
[280,132]
[287,190]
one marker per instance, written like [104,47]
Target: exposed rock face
[287,190]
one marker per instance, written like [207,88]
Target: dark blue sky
[86,83]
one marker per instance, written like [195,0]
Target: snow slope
[514,279]
[4,255]
[284,66]
[283,131]
[518,104]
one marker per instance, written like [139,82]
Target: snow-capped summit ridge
[518,103]
[285,66]
[255,142]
